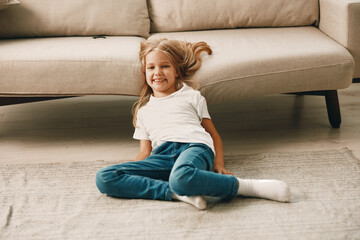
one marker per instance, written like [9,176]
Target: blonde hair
[184,56]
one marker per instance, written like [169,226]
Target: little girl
[181,153]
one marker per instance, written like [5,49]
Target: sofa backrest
[187,15]
[41,18]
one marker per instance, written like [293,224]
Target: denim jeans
[181,168]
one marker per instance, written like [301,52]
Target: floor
[94,128]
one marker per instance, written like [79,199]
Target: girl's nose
[157,71]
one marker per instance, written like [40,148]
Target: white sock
[268,189]
[197,201]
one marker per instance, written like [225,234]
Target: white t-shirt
[176,118]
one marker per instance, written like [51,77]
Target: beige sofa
[74,48]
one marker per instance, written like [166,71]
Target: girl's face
[160,74]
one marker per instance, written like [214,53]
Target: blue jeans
[181,168]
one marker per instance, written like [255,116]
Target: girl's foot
[197,201]
[268,189]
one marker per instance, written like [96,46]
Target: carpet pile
[61,201]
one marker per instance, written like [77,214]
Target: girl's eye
[152,67]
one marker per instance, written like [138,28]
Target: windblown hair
[184,56]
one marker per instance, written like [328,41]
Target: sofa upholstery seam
[277,72]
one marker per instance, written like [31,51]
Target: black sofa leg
[333,108]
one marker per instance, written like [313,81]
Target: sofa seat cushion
[254,62]
[70,66]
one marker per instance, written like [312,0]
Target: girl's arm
[145,150]
[219,156]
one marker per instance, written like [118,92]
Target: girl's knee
[102,180]
[181,180]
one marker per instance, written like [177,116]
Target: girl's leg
[146,179]
[192,175]
[268,189]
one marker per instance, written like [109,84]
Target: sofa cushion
[70,66]
[7,3]
[185,15]
[39,18]
[255,62]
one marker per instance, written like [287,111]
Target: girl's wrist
[219,163]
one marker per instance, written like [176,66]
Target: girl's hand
[221,169]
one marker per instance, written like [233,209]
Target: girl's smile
[160,74]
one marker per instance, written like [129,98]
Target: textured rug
[61,201]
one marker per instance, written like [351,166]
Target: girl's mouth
[159,80]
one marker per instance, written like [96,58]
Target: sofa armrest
[341,20]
